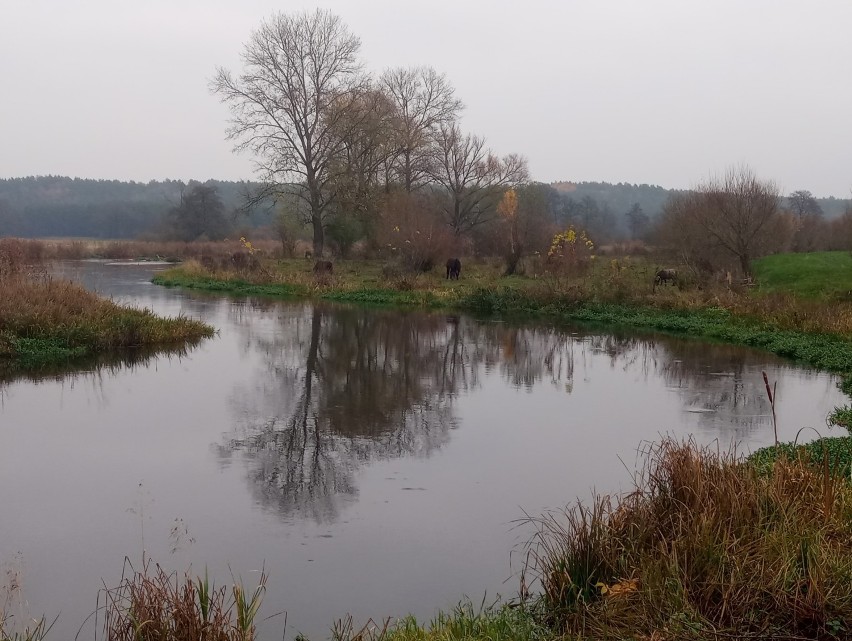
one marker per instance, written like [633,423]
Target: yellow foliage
[623,587]
[508,207]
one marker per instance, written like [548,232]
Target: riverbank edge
[824,351]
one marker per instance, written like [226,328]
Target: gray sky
[653,91]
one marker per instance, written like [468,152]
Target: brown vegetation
[732,219]
[44,321]
[703,548]
[154,605]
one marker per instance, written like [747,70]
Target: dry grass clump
[47,308]
[155,605]
[703,548]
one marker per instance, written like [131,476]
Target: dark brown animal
[323,267]
[453,269]
[665,276]
[309,254]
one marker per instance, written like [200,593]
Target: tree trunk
[512,261]
[319,237]
[745,265]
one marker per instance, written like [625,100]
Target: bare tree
[425,100]
[737,215]
[810,229]
[472,177]
[368,139]
[289,102]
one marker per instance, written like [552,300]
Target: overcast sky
[650,91]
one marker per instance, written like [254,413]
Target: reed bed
[152,604]
[704,547]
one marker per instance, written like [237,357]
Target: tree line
[40,206]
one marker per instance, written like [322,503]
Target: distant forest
[57,206]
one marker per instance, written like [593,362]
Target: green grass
[826,275]
[833,452]
[466,622]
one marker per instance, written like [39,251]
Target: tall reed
[152,604]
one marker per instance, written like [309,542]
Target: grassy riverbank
[818,275]
[46,323]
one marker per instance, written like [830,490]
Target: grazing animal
[665,276]
[309,254]
[453,269]
[323,267]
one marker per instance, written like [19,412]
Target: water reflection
[102,364]
[338,387]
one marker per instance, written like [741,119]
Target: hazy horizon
[661,92]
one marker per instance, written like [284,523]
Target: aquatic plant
[152,604]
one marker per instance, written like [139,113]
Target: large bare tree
[472,177]
[424,101]
[737,215]
[288,105]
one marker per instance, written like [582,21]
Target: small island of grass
[46,322]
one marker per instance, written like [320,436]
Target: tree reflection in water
[340,387]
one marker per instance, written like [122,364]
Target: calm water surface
[374,462]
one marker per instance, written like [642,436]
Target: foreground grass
[46,323]
[825,275]
[495,622]
[705,547]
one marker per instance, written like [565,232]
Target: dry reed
[703,548]
[152,604]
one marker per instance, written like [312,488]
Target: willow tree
[288,106]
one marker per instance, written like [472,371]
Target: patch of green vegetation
[808,275]
[824,351]
[236,287]
[842,416]
[34,353]
[495,622]
[835,451]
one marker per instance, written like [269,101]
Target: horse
[323,267]
[664,276]
[453,269]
